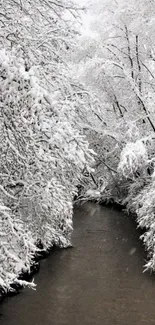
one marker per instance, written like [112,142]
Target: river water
[98,282]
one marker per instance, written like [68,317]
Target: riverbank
[35,267]
[99,281]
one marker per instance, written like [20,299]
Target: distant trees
[116,61]
[120,54]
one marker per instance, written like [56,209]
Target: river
[98,282]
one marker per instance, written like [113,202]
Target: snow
[74,99]
[114,59]
[44,150]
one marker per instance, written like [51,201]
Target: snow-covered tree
[42,119]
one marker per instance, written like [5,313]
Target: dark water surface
[98,282]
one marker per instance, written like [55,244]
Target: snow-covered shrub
[17,248]
[133,159]
[136,189]
[143,204]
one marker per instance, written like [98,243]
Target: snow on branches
[115,59]
[43,149]
[133,159]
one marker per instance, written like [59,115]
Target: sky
[87,18]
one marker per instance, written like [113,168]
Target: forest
[77,121]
